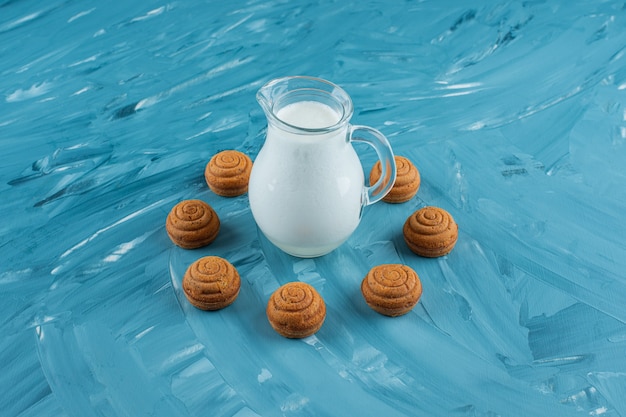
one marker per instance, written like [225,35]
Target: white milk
[306,190]
[308,115]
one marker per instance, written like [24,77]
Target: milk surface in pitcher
[308,115]
[308,198]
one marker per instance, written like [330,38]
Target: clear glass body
[306,187]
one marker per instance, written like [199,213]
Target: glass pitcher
[307,190]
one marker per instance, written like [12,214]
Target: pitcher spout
[264,98]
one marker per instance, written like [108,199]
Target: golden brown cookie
[407,180]
[228,172]
[211,283]
[391,289]
[192,224]
[430,232]
[296,310]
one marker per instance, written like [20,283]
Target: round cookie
[430,232]
[296,310]
[391,289]
[192,224]
[211,283]
[228,173]
[407,180]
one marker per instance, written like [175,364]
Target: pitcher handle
[382,147]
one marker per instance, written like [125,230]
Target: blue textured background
[514,113]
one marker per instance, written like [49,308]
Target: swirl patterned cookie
[407,180]
[211,283]
[192,224]
[430,232]
[296,310]
[228,173]
[391,289]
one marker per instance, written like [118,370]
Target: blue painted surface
[514,113]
